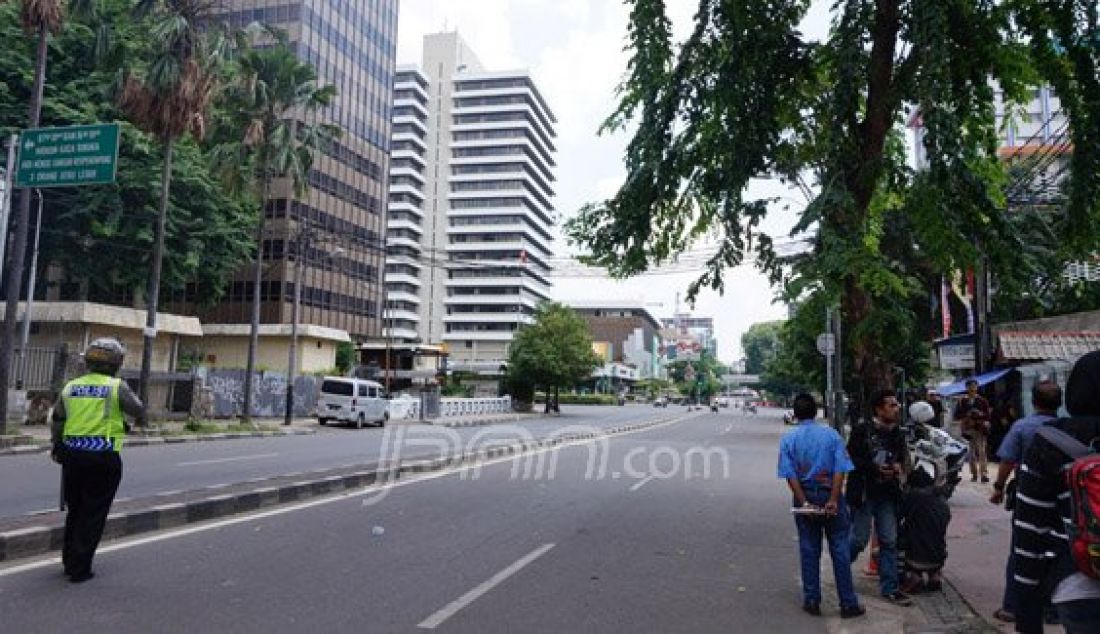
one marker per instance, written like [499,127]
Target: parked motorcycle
[934,450]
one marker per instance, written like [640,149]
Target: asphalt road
[645,532]
[29,483]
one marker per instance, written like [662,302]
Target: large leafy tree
[554,352]
[747,96]
[40,19]
[99,238]
[168,95]
[271,124]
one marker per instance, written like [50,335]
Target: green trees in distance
[554,352]
[760,344]
[747,96]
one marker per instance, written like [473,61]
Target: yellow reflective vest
[93,414]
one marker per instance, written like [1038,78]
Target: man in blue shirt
[1046,398]
[813,461]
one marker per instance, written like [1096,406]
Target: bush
[580,399]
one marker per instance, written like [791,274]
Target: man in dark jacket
[880,455]
[1044,568]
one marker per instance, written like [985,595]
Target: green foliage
[569,398]
[554,352]
[746,96]
[760,344]
[101,236]
[265,130]
[345,357]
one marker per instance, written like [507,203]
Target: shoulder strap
[1064,442]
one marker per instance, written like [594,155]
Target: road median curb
[143,441]
[145,516]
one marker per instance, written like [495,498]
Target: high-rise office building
[475,175]
[352,44]
[405,257]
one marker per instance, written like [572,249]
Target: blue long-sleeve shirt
[813,452]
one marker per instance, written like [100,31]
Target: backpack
[1083,482]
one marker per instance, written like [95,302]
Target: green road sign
[73,155]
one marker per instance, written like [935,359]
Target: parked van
[348,400]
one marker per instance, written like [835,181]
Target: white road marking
[455,606]
[290,508]
[233,459]
[172,492]
[641,483]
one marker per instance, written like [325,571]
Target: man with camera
[972,413]
[880,455]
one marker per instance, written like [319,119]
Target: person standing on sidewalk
[973,413]
[1044,567]
[880,455]
[1046,398]
[87,432]
[813,461]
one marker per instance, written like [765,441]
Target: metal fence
[37,368]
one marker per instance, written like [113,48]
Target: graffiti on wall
[268,395]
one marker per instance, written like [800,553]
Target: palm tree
[168,99]
[40,18]
[272,102]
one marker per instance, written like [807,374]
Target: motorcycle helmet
[104,356]
[921,412]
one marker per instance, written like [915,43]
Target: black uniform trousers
[90,479]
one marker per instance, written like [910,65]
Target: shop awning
[958,387]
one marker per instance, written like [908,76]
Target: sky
[574,50]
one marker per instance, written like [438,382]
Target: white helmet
[921,412]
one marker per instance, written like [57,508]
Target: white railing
[456,407]
[409,409]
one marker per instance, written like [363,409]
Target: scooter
[934,450]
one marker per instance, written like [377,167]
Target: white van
[349,400]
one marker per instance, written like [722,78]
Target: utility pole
[292,362]
[29,306]
[981,315]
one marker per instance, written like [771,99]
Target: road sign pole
[5,211]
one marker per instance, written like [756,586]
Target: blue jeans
[885,515]
[836,530]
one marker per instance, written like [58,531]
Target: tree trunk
[152,292]
[868,363]
[874,371]
[14,281]
[254,330]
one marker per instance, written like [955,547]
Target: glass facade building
[352,44]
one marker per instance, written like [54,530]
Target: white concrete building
[487,189]
[405,212]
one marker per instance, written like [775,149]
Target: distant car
[660,401]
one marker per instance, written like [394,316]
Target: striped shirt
[1043,514]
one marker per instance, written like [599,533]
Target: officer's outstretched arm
[130,403]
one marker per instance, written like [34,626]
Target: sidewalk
[977,545]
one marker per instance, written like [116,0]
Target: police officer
[88,430]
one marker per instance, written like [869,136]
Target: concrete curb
[39,540]
[163,440]
[480,422]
